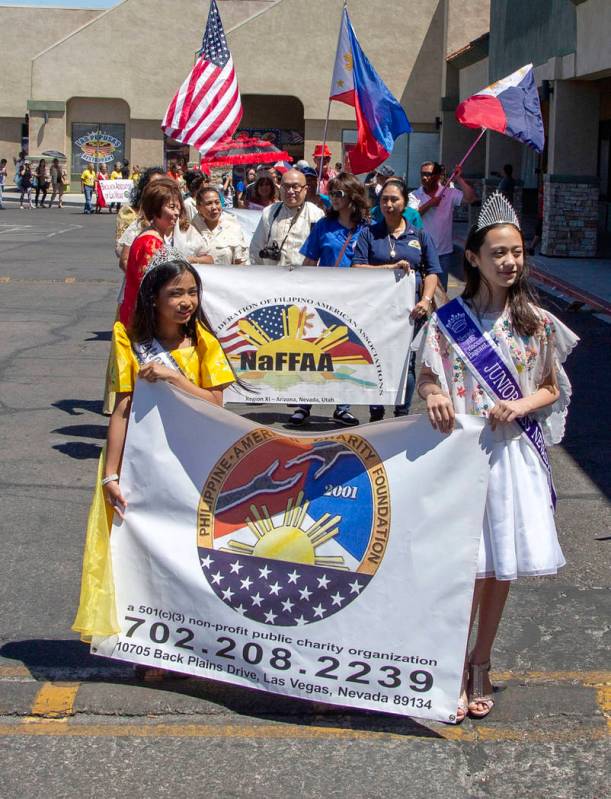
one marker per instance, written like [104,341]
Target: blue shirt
[415,246]
[326,241]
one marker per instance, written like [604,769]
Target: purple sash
[489,369]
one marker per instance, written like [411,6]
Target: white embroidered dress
[519,535]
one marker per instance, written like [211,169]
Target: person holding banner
[494,353]
[331,243]
[162,207]
[100,201]
[221,231]
[394,243]
[168,339]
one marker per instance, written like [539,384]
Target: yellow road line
[55,700]
[261,732]
[588,678]
[603,697]
[13,672]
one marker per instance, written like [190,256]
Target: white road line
[65,230]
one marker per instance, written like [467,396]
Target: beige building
[569,43]
[110,75]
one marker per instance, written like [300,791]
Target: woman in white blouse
[221,230]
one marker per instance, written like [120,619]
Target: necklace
[392,240]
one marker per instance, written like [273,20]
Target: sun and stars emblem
[292,530]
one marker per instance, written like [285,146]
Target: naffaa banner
[312,334]
[337,568]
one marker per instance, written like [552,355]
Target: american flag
[278,592]
[207,107]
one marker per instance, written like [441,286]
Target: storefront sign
[92,144]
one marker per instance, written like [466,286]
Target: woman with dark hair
[263,192]
[42,183]
[394,243]
[496,354]
[168,339]
[130,221]
[162,207]
[221,230]
[331,243]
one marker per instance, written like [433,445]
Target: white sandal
[476,690]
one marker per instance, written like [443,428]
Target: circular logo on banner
[292,530]
[283,345]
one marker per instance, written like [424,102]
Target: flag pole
[324,142]
[464,158]
[326,128]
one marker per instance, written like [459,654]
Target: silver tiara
[167,252]
[497,210]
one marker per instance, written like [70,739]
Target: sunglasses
[339,194]
[426,174]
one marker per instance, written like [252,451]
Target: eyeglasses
[337,195]
[296,187]
[426,174]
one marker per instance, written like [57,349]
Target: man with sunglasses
[436,203]
[284,226]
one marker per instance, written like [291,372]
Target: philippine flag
[510,106]
[379,116]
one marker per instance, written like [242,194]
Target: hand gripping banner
[334,567]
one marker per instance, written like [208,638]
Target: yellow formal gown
[206,366]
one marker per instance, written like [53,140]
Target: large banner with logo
[336,567]
[312,334]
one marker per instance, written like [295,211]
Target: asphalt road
[73,725]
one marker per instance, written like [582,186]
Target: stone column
[570,216]
[570,201]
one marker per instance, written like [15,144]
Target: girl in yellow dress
[169,339]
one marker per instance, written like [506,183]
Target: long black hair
[143,326]
[143,182]
[520,296]
[357,197]
[144,322]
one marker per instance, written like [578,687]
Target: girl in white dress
[519,535]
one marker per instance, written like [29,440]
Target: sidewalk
[585,281]
[11,196]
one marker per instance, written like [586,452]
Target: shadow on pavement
[83,430]
[77,407]
[100,335]
[316,424]
[79,450]
[588,435]
[60,660]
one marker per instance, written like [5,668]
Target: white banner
[248,219]
[312,334]
[116,191]
[337,568]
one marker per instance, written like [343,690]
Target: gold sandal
[476,693]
